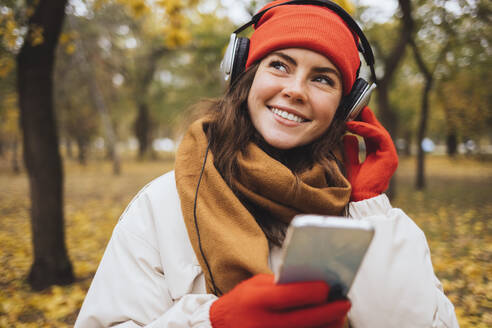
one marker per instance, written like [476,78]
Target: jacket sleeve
[396,285]
[130,288]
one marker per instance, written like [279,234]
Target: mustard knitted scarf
[227,240]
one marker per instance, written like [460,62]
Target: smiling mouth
[286,115]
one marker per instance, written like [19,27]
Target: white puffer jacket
[149,275]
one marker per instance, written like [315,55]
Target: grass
[454,212]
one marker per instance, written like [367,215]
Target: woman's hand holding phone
[259,302]
[372,177]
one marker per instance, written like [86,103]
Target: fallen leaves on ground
[94,199]
[455,211]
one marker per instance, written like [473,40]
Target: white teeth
[286,115]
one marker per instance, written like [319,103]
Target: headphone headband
[363,45]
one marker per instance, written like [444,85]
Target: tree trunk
[389,121]
[388,117]
[408,142]
[391,62]
[97,99]
[424,113]
[451,137]
[40,143]
[15,156]
[82,155]
[143,123]
[68,146]
[451,144]
[422,128]
[2,147]
[142,129]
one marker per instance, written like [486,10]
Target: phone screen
[324,248]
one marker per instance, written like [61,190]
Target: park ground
[454,211]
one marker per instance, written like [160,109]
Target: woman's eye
[279,66]
[324,79]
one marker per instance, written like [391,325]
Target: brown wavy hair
[231,130]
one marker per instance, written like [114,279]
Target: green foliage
[135,63]
[455,38]
[404,95]
[192,73]
[463,91]
[9,32]
[382,36]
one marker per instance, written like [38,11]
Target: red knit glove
[259,302]
[371,177]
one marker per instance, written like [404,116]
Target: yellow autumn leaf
[176,37]
[36,35]
[70,49]
[347,5]
[487,318]
[10,26]
[7,64]
[64,38]
[139,9]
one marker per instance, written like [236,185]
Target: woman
[196,247]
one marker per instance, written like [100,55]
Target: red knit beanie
[306,26]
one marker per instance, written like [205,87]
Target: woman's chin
[282,143]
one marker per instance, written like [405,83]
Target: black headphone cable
[215,288]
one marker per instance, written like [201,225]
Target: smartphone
[324,248]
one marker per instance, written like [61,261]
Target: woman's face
[294,96]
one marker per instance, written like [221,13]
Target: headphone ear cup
[240,58]
[351,100]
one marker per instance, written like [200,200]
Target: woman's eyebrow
[315,69]
[327,70]
[286,57]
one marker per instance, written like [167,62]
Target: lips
[287,115]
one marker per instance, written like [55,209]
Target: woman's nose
[295,90]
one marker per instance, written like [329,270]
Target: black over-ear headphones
[236,55]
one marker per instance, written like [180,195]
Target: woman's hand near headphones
[259,302]
[372,177]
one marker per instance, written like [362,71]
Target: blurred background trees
[105,67]
[125,72]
